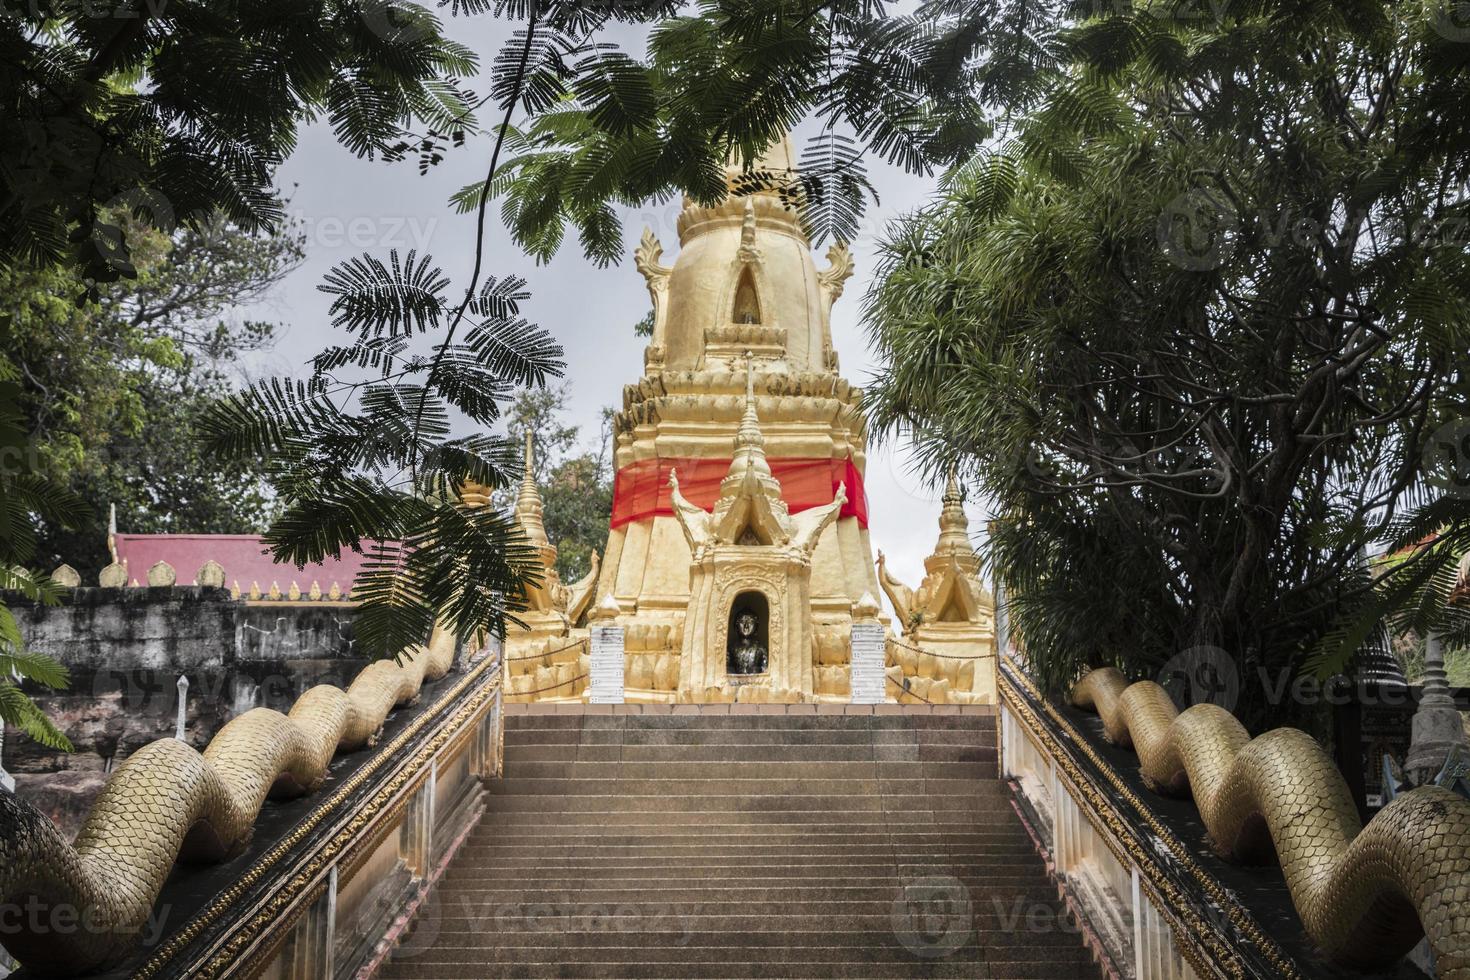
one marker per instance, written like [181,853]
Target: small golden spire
[954,525]
[749,461]
[748,437]
[528,502]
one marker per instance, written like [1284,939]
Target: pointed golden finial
[275,592]
[235,590]
[749,461]
[749,433]
[335,592]
[294,592]
[315,594]
[528,502]
[954,525]
[255,590]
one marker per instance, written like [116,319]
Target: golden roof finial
[749,433]
[528,502]
[954,525]
[749,442]
[750,461]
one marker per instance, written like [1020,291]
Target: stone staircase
[700,843]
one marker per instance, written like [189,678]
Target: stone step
[710,788]
[718,836]
[982,757]
[587,770]
[976,717]
[716,845]
[683,854]
[464,901]
[740,738]
[1005,871]
[618,948]
[833,819]
[665,937]
[764,803]
[598,970]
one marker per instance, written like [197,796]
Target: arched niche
[747,308]
[750,603]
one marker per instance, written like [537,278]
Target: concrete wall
[126,649]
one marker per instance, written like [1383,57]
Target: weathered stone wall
[126,649]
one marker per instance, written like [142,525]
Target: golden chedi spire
[954,526]
[528,502]
[750,447]
[545,596]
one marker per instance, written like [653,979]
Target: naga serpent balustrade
[168,802]
[1365,894]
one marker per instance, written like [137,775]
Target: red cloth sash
[641,490]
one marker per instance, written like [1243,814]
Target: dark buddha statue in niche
[746,651]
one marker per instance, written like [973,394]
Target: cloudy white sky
[346,206]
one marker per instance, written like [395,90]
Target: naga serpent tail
[1365,894]
[77,908]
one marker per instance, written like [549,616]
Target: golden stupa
[738,551]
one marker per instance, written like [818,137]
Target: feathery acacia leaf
[394,297]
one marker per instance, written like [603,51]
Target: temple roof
[244,557]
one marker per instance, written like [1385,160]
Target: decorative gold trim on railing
[391,797]
[1198,940]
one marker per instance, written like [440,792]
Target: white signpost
[867,663]
[606,683]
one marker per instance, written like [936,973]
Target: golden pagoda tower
[741,330]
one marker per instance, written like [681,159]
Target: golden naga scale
[1365,894]
[170,802]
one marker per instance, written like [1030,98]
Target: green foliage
[730,78]
[1192,327]
[112,392]
[228,87]
[1456,662]
[26,500]
[577,499]
[362,454]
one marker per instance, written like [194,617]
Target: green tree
[26,500]
[1193,329]
[228,87]
[113,392]
[361,450]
